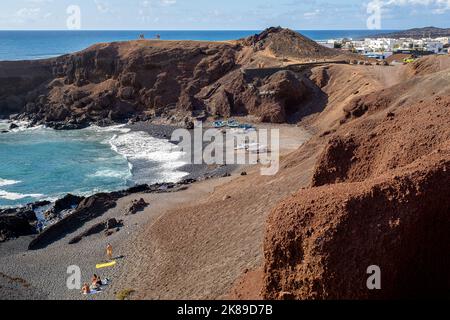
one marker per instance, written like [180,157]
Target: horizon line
[190,30]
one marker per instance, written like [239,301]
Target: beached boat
[233,124]
[258,148]
[219,124]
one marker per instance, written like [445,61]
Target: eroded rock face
[321,241]
[135,207]
[385,139]
[379,196]
[117,82]
[272,99]
[283,94]
[287,43]
[15,223]
[13,226]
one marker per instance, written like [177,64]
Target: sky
[219,15]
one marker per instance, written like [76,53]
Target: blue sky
[221,15]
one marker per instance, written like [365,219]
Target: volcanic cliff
[379,195]
[179,80]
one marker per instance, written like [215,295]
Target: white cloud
[436,6]
[32,12]
[149,8]
[102,6]
[27,14]
[168,2]
[312,13]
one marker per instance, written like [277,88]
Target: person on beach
[86,289]
[109,251]
[95,286]
[96,280]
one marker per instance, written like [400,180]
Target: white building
[327,43]
[443,40]
[380,44]
[382,48]
[433,46]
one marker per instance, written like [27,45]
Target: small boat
[258,148]
[219,124]
[253,148]
[246,127]
[233,124]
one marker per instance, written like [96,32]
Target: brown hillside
[178,80]
[321,241]
[379,196]
[288,44]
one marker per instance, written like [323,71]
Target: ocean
[43,164]
[30,45]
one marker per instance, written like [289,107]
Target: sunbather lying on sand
[86,289]
[96,279]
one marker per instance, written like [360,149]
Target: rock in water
[13,126]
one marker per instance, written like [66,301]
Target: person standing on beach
[109,251]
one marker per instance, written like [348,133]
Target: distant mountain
[416,33]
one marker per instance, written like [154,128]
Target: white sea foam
[107,173]
[138,145]
[25,126]
[5,182]
[118,128]
[17,196]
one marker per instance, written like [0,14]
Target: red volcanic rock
[288,43]
[321,241]
[384,140]
[379,196]
[155,77]
[283,94]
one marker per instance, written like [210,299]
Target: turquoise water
[40,163]
[29,45]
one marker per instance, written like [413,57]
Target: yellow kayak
[106,265]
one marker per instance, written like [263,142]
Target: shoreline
[46,281]
[157,131]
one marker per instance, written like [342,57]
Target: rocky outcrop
[397,137]
[13,226]
[69,202]
[18,222]
[271,99]
[378,197]
[90,208]
[87,210]
[117,82]
[287,43]
[108,227]
[20,82]
[322,241]
[135,207]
